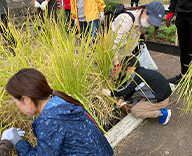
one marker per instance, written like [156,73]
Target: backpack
[111,15]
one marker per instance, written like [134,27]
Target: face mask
[144,23]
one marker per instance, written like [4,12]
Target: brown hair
[142,8]
[32,83]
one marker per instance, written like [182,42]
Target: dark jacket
[3,7]
[5,146]
[184,6]
[65,129]
[157,91]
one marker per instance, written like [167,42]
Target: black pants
[68,16]
[5,32]
[52,8]
[184,29]
[134,1]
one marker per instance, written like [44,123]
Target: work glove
[37,5]
[168,19]
[106,92]
[43,5]
[101,16]
[75,21]
[9,135]
[16,137]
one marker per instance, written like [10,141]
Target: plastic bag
[145,58]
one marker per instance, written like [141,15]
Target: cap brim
[155,21]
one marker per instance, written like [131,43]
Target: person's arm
[74,9]
[101,5]
[172,5]
[50,136]
[121,26]
[5,146]
[125,91]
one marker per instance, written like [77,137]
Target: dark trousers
[52,8]
[68,16]
[134,1]
[184,29]
[5,32]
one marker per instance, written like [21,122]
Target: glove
[106,92]
[37,5]
[8,134]
[75,21]
[168,19]
[101,16]
[43,5]
[16,137]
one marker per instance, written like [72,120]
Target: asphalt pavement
[151,138]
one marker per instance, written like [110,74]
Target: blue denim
[86,27]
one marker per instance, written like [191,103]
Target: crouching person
[150,85]
[64,127]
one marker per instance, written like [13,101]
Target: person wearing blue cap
[144,16]
[184,30]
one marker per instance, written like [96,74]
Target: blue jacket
[65,129]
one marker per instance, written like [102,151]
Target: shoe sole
[168,117]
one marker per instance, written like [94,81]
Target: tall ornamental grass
[185,90]
[61,55]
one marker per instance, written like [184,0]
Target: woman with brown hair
[64,127]
[144,16]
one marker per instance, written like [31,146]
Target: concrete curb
[122,129]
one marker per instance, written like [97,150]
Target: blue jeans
[86,27]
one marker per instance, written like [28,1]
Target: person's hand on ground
[168,19]
[37,5]
[43,5]
[106,92]
[101,16]
[8,134]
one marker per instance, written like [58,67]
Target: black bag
[111,15]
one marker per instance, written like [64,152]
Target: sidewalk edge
[122,129]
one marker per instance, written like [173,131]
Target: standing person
[142,16]
[67,7]
[52,8]
[7,138]
[184,29]
[150,85]
[63,127]
[4,27]
[134,1]
[86,15]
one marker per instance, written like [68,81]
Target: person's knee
[136,113]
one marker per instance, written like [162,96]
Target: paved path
[151,138]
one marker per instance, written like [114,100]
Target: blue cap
[156,12]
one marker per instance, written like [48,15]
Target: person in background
[144,16]
[134,1]
[87,14]
[184,29]
[63,127]
[7,138]
[67,7]
[52,8]
[7,35]
[150,85]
